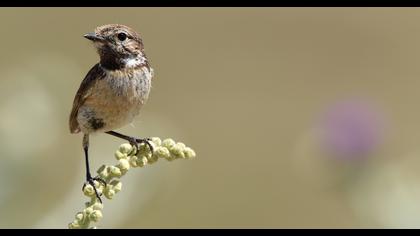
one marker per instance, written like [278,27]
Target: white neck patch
[133,62]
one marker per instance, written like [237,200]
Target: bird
[113,91]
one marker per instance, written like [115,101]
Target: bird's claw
[92,183]
[136,141]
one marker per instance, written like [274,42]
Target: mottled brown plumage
[85,91]
[115,89]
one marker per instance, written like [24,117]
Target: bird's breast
[118,97]
[131,86]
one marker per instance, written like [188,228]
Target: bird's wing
[95,73]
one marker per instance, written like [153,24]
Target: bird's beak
[93,37]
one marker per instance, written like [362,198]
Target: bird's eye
[122,36]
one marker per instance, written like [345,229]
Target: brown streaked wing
[94,74]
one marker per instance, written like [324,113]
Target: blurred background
[300,118]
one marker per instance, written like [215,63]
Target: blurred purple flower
[352,129]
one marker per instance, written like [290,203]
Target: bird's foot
[137,141]
[90,181]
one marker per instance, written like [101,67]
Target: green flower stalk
[127,159]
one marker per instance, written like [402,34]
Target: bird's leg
[89,179]
[132,140]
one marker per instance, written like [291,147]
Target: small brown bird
[114,90]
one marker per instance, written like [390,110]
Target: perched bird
[114,90]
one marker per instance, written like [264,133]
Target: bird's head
[118,46]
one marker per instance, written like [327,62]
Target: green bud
[87,211]
[170,158]
[74,225]
[168,143]
[162,152]
[125,148]
[157,141]
[124,165]
[181,145]
[144,150]
[97,206]
[115,171]
[79,216]
[109,194]
[89,190]
[103,172]
[98,184]
[177,151]
[95,216]
[133,161]
[142,161]
[152,159]
[117,186]
[119,155]
[189,153]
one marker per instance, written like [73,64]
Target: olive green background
[244,88]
